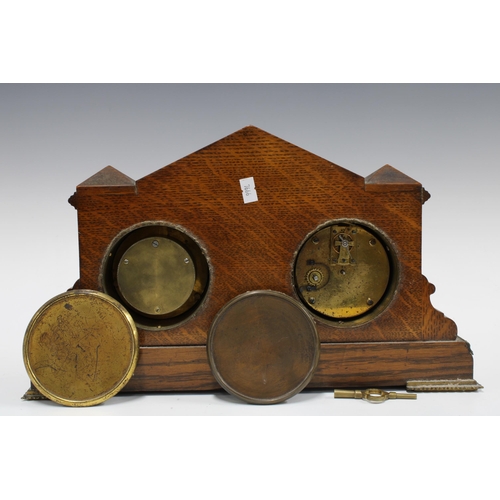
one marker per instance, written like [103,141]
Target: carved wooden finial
[108,176]
[388,178]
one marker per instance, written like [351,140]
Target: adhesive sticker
[248,190]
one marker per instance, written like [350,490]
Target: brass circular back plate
[263,347]
[156,276]
[160,273]
[81,348]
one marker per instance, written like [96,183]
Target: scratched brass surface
[263,347]
[158,272]
[156,277]
[80,348]
[342,271]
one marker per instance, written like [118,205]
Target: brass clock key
[372,395]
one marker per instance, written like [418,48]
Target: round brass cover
[263,347]
[156,276]
[81,348]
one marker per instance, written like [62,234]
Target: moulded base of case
[438,366]
[363,364]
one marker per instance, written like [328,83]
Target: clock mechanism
[345,273]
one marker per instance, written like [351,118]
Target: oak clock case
[183,246]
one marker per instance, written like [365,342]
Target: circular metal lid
[156,276]
[81,348]
[263,347]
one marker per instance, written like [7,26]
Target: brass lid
[156,276]
[81,348]
[263,347]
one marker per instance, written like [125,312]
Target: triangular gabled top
[388,178]
[108,176]
[248,147]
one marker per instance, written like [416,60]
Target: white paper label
[248,190]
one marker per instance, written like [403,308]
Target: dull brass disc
[156,276]
[263,347]
[81,348]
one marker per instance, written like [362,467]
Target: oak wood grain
[365,364]
[252,247]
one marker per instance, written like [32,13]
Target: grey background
[53,137]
